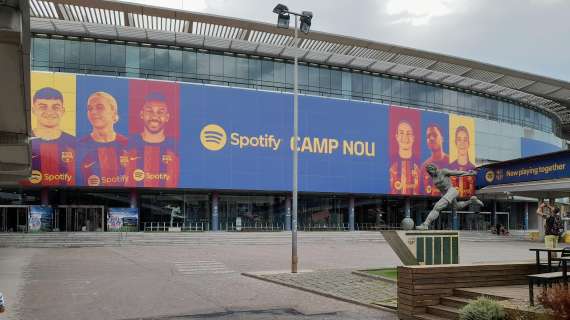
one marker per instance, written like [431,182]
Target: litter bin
[566,237]
[534,235]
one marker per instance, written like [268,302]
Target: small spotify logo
[36,177]
[213,137]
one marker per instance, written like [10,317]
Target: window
[203,65]
[267,72]
[72,56]
[147,60]
[175,63]
[132,62]
[161,63]
[40,53]
[356,85]
[57,54]
[103,58]
[303,77]
[336,83]
[367,86]
[189,64]
[314,80]
[87,56]
[118,57]
[254,72]
[325,80]
[229,68]
[279,74]
[242,70]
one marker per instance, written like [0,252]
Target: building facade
[184,120]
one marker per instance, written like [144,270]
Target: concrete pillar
[134,198]
[351,213]
[215,213]
[525,222]
[44,197]
[288,213]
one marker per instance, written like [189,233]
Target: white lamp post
[283,22]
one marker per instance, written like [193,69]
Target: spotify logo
[36,177]
[213,137]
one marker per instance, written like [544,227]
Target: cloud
[419,12]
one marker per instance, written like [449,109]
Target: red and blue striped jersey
[152,164]
[102,163]
[55,161]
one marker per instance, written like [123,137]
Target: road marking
[201,267]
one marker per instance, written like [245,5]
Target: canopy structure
[541,176]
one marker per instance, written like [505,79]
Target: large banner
[123,219]
[40,218]
[552,166]
[107,132]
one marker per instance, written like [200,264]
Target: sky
[526,35]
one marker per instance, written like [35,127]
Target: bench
[543,279]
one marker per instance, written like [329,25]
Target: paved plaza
[203,280]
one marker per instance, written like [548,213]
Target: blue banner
[134,133]
[553,166]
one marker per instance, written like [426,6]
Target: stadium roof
[136,22]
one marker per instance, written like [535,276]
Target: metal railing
[252,227]
[376,226]
[182,227]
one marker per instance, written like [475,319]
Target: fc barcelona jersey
[53,161]
[103,163]
[404,177]
[152,164]
[464,185]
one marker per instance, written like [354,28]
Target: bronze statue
[442,181]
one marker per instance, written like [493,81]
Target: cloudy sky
[526,35]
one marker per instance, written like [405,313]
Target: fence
[165,226]
[257,226]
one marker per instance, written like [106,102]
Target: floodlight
[306,17]
[280,9]
[283,20]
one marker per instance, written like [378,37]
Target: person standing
[552,224]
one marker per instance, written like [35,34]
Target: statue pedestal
[429,247]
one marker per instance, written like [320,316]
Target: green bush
[482,309]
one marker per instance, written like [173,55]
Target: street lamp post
[283,22]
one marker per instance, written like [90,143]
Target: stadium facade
[167,119]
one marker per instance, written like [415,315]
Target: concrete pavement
[151,282]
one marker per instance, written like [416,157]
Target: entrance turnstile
[75,218]
[14,218]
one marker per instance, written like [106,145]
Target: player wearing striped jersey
[103,156]
[153,158]
[53,151]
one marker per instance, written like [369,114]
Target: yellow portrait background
[65,83]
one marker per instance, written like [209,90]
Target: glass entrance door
[14,218]
[80,218]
